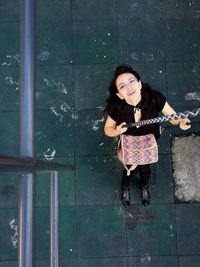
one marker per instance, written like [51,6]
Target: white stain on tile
[145,259]
[10,81]
[60,86]
[192,96]
[14,236]
[134,5]
[49,153]
[60,116]
[100,108]
[65,107]
[134,56]
[75,116]
[96,124]
[44,55]
[171,230]
[11,60]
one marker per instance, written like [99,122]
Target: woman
[130,100]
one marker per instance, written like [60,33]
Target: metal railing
[26,164]
[28,168]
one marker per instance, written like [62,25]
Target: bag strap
[120,146]
[133,167]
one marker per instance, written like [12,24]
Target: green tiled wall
[79,43]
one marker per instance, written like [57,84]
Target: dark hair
[113,88]
[148,108]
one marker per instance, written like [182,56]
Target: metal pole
[54,220]
[27,105]
[27,77]
[26,221]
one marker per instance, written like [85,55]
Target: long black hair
[148,101]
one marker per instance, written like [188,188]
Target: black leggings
[145,174]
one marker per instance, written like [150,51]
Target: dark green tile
[69,263]
[43,189]
[193,261]
[90,138]
[95,42]
[54,135]
[152,261]
[54,43]
[8,240]
[55,87]
[8,190]
[97,28]
[98,180]
[9,132]
[42,263]
[183,85]
[9,39]
[187,220]
[110,262]
[8,264]
[102,50]
[166,261]
[141,41]
[54,10]
[101,232]
[9,82]
[164,140]
[162,188]
[154,232]
[181,9]
[139,9]
[91,85]
[42,233]
[91,9]
[9,10]
[66,188]
[68,232]
[182,40]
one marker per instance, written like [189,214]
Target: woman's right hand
[120,129]
[110,128]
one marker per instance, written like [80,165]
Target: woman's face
[128,87]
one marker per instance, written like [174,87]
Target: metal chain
[180,115]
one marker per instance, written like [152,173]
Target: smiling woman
[129,88]
[130,100]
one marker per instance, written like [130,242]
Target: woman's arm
[110,128]
[168,110]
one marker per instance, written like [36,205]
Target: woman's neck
[134,102]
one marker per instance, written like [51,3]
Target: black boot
[145,196]
[125,196]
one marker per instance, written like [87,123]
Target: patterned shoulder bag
[137,150]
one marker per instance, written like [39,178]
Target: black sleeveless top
[124,112]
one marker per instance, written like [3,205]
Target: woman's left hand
[184,124]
